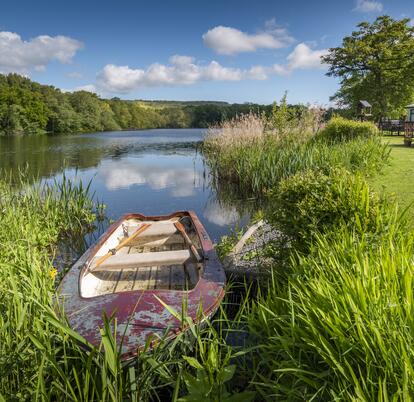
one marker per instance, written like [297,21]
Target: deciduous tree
[375,63]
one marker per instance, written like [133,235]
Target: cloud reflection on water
[123,174]
[219,214]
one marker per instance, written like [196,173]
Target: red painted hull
[139,314]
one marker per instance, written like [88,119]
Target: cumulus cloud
[303,57]
[17,55]
[368,6]
[182,70]
[185,70]
[228,40]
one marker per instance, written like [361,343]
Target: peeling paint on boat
[140,314]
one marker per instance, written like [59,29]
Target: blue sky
[236,51]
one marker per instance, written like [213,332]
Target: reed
[256,163]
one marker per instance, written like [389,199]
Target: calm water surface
[151,171]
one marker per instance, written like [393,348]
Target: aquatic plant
[253,165]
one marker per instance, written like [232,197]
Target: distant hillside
[27,107]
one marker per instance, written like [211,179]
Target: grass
[255,161]
[396,179]
[342,327]
[335,323]
[43,359]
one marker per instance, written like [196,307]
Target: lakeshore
[317,250]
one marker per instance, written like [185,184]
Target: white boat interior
[158,256]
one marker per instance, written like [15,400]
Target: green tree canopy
[375,63]
[27,107]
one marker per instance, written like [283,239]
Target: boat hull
[140,314]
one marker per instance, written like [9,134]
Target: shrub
[312,201]
[339,130]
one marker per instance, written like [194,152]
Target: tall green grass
[257,165]
[342,327]
[43,359]
[338,324]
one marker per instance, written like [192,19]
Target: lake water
[151,171]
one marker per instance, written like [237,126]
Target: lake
[151,171]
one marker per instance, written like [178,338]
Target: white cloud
[227,40]
[303,57]
[119,78]
[258,73]
[17,55]
[185,70]
[280,69]
[182,70]
[368,6]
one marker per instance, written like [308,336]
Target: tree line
[27,107]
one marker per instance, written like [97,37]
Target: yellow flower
[52,272]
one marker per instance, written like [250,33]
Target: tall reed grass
[342,326]
[256,163]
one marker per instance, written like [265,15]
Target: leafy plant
[281,116]
[227,242]
[213,372]
[313,201]
[339,129]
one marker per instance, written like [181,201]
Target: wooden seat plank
[123,261]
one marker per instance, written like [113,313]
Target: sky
[235,51]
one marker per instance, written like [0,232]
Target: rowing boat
[140,270]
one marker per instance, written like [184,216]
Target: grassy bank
[335,323]
[254,156]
